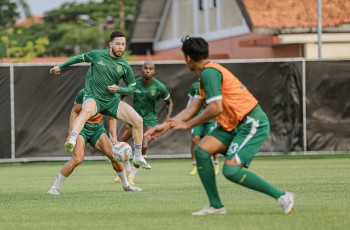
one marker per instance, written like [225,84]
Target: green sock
[250,180]
[207,175]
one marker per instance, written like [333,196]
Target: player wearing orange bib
[242,128]
[95,134]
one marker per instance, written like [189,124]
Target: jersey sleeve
[192,91]
[211,82]
[129,80]
[88,56]
[80,97]
[164,93]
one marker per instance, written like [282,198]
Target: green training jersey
[194,92]
[146,99]
[104,71]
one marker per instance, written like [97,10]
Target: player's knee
[77,160]
[138,122]
[201,153]
[232,172]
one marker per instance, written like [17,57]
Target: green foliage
[8,13]
[72,29]
[91,200]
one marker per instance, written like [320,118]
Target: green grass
[90,200]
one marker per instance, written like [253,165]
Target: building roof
[29,21]
[290,16]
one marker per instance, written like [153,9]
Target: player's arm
[130,83]
[113,129]
[74,60]
[168,107]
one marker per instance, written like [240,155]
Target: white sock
[216,162]
[59,180]
[133,171]
[127,166]
[194,163]
[122,176]
[73,137]
[137,150]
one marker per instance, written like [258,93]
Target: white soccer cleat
[131,188]
[207,210]
[69,146]
[53,191]
[287,202]
[139,160]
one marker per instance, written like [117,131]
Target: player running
[242,128]
[95,134]
[107,68]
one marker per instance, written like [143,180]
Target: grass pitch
[91,200]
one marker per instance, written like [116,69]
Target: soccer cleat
[53,191]
[69,146]
[131,188]
[131,180]
[207,210]
[287,202]
[216,169]
[139,160]
[193,171]
[117,178]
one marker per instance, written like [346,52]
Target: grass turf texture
[91,200]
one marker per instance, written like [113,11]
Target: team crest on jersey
[119,68]
[153,92]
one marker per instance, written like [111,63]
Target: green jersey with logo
[104,71]
[146,99]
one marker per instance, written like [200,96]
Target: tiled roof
[281,14]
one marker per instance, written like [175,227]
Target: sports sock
[127,166]
[133,172]
[194,163]
[216,162]
[250,180]
[137,150]
[123,179]
[59,180]
[73,137]
[206,173]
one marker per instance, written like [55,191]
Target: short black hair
[116,34]
[195,47]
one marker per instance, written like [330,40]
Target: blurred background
[292,55]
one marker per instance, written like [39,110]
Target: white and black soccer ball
[122,151]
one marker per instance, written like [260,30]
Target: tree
[8,13]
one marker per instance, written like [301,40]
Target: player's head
[148,70]
[117,43]
[195,49]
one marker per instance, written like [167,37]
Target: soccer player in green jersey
[199,132]
[107,68]
[148,92]
[242,128]
[96,135]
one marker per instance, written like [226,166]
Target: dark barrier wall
[328,105]
[5,113]
[43,104]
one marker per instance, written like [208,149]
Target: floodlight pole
[319,27]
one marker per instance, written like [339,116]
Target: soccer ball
[121,151]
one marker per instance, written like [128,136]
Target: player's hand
[114,140]
[157,131]
[113,88]
[180,125]
[55,70]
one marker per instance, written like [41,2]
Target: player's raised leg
[127,114]
[89,109]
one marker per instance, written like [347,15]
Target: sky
[38,7]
